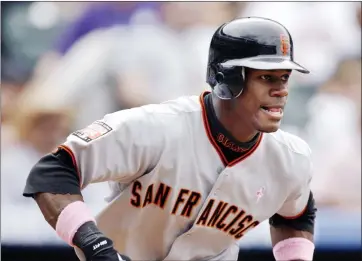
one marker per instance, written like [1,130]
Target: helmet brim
[266,63]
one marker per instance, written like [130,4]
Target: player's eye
[266,77]
[285,77]
[272,78]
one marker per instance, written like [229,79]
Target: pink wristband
[294,249]
[71,218]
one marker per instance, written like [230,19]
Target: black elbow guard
[53,173]
[304,222]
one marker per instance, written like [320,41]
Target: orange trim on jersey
[214,143]
[71,154]
[298,215]
[208,131]
[252,149]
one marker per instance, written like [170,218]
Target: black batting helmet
[252,42]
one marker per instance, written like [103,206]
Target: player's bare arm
[87,236]
[51,205]
[284,232]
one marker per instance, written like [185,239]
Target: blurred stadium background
[65,64]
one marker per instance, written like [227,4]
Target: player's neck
[238,125]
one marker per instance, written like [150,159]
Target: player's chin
[268,124]
[268,128]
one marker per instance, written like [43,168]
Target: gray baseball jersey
[172,197]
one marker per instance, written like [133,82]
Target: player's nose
[282,91]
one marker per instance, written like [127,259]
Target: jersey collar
[215,143]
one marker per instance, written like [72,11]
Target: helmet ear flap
[230,81]
[219,77]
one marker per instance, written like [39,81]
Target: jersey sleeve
[296,203]
[121,147]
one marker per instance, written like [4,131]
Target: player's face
[264,98]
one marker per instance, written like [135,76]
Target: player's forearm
[51,205]
[69,216]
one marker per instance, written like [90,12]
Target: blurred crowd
[66,64]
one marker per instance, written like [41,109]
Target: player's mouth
[273,111]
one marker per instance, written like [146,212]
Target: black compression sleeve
[304,222]
[53,173]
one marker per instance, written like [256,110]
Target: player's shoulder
[290,142]
[163,122]
[148,126]
[175,108]
[166,113]
[293,153]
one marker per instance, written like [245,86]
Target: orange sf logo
[284,44]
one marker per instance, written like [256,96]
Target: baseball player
[190,177]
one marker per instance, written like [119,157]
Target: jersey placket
[212,195]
